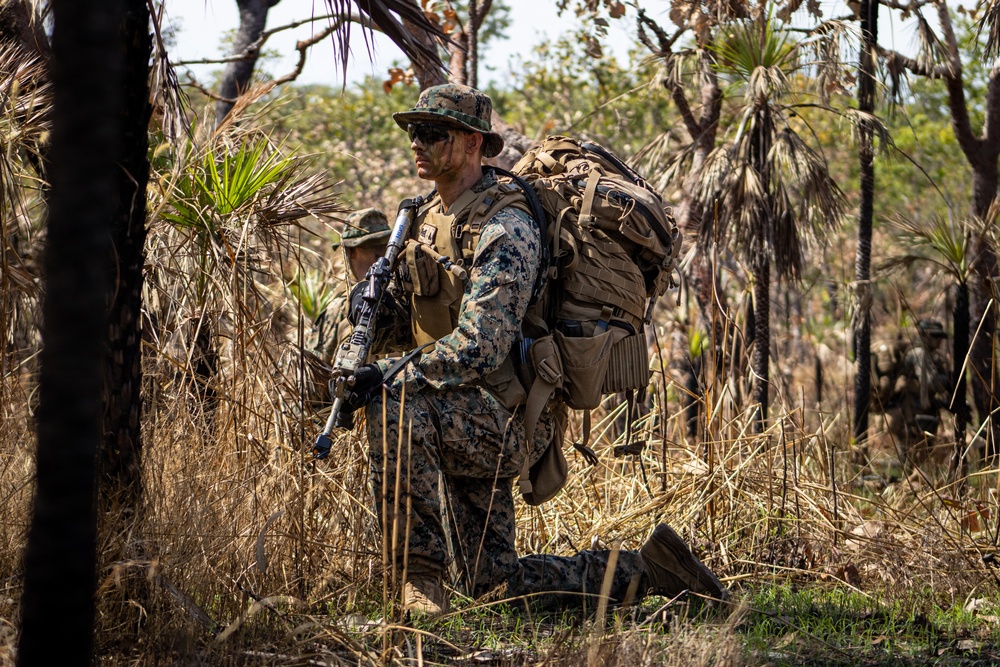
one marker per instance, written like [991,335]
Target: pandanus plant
[771,191]
[232,215]
[944,243]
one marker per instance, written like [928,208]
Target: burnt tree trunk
[760,149]
[120,484]
[59,571]
[863,256]
[121,454]
[246,49]
[960,347]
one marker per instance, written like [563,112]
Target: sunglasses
[427,133]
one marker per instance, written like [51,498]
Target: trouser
[457,458]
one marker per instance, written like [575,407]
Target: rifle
[354,353]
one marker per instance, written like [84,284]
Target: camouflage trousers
[445,490]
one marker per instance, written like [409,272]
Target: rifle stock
[355,352]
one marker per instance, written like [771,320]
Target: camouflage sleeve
[496,298]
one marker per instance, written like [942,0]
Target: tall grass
[259,554]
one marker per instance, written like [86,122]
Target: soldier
[458,411]
[366,233]
[364,239]
[913,386]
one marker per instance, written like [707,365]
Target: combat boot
[424,593]
[671,568]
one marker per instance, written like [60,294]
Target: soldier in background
[913,386]
[366,234]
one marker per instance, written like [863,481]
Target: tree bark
[238,73]
[760,150]
[762,340]
[960,348]
[862,263]
[59,574]
[121,454]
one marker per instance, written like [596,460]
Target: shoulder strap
[538,213]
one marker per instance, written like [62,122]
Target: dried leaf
[594,49]
[850,574]
[616,10]
[396,75]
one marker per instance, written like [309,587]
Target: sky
[201,25]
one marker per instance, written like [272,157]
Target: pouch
[423,270]
[504,384]
[549,473]
[585,362]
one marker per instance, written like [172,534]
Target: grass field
[253,553]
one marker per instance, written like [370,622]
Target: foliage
[770,184]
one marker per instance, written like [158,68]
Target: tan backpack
[612,248]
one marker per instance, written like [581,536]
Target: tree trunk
[760,149]
[985,381]
[237,75]
[120,486]
[121,455]
[863,256]
[960,347]
[762,340]
[59,563]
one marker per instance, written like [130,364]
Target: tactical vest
[440,249]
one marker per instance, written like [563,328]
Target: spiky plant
[945,243]
[24,125]
[234,212]
[771,191]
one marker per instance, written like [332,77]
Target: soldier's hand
[357,301]
[361,387]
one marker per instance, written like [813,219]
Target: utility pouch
[585,362]
[422,269]
[549,473]
[504,384]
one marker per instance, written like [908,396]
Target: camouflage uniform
[447,435]
[460,442]
[367,227]
[913,386]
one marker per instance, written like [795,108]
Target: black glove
[361,387]
[357,300]
[359,390]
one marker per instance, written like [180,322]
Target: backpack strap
[584,447]
[538,214]
[586,210]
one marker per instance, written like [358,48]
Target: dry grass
[256,551]
[256,554]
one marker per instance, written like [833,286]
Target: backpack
[612,246]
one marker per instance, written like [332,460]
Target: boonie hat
[931,328]
[457,106]
[369,225]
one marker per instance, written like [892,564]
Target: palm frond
[931,51]
[989,18]
[393,18]
[312,291]
[939,240]
[759,54]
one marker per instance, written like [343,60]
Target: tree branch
[664,49]
[905,6]
[302,46]
[936,72]
[258,44]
